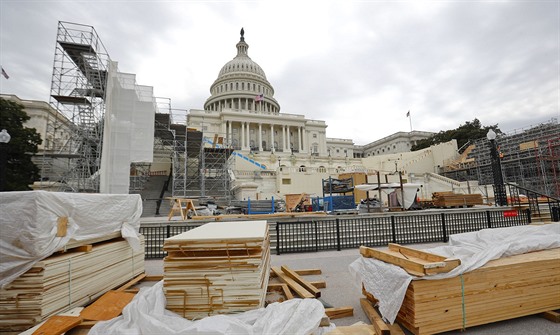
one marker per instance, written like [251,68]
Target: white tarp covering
[28,224]
[410,190]
[388,283]
[128,133]
[146,314]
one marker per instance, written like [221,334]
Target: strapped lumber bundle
[218,268]
[502,289]
[68,279]
[450,199]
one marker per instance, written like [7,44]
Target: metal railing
[540,204]
[354,231]
[344,233]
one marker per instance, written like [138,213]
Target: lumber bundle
[218,268]
[504,288]
[450,199]
[65,280]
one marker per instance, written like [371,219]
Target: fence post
[337,234]
[168,231]
[488,217]
[528,211]
[394,229]
[443,227]
[316,237]
[277,238]
[555,213]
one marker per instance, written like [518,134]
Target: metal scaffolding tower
[78,93]
[529,158]
[200,166]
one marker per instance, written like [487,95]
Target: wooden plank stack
[66,280]
[218,268]
[450,199]
[502,289]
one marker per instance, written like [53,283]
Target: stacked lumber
[218,268]
[504,288]
[65,280]
[450,199]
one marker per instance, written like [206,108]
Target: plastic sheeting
[128,133]
[28,224]
[146,314]
[388,283]
[409,190]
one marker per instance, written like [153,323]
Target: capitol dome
[242,85]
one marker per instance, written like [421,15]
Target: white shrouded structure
[128,134]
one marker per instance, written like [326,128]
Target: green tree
[465,133]
[20,170]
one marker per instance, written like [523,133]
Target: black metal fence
[155,235]
[344,233]
[351,232]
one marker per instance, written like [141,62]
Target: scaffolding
[200,166]
[78,87]
[529,157]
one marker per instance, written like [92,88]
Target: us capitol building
[244,114]
[243,110]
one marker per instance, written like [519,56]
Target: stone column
[248,144]
[230,134]
[260,137]
[299,138]
[271,136]
[242,143]
[289,138]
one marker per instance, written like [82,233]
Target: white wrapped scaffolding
[128,134]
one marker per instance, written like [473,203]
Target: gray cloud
[360,66]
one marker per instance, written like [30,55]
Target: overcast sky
[358,65]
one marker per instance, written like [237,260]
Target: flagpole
[409,119]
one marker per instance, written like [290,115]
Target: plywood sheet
[221,231]
[108,306]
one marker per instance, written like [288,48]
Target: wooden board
[108,306]
[380,326]
[353,330]
[57,325]
[300,290]
[307,285]
[339,312]
[415,262]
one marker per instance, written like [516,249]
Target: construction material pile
[61,250]
[502,289]
[218,268]
[504,273]
[66,280]
[450,199]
